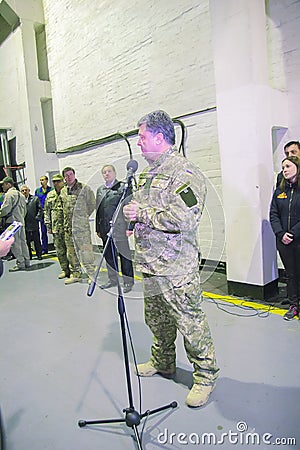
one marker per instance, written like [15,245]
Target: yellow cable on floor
[227,298]
[254,305]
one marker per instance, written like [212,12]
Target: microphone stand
[132,417]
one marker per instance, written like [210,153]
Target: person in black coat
[107,199]
[285,222]
[32,219]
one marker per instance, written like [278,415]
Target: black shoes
[16,268]
[127,287]
[108,285]
[8,257]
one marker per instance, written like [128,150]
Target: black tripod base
[132,417]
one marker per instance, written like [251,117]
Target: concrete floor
[62,361]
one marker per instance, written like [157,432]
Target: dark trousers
[111,258]
[35,237]
[290,257]
[44,235]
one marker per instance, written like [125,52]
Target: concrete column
[38,162]
[246,107]
[36,157]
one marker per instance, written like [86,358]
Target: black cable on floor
[256,312]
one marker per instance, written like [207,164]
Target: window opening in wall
[8,163]
[9,20]
[48,124]
[278,141]
[41,51]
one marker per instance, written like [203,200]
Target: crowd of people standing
[63,211]
[51,211]
[164,215]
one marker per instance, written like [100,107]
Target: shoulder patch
[187,195]
[182,188]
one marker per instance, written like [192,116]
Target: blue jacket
[42,195]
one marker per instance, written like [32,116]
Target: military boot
[147,369]
[199,395]
[63,274]
[74,278]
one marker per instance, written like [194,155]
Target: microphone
[131,167]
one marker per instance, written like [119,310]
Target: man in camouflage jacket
[166,211]
[78,201]
[54,221]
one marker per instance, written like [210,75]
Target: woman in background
[285,222]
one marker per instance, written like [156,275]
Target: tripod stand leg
[83,423]
[132,418]
[161,408]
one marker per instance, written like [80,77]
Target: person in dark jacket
[285,222]
[107,200]
[32,220]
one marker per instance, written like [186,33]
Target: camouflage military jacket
[78,204]
[53,213]
[171,194]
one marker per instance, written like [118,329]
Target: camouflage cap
[7,180]
[57,177]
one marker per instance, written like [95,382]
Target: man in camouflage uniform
[78,201]
[54,221]
[166,211]
[14,208]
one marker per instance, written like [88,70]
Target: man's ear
[159,137]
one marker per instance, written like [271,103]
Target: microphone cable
[183,136]
[224,306]
[126,140]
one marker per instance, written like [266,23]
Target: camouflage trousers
[171,304]
[80,252]
[61,251]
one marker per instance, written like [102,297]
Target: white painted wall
[111,62]
[13,96]
[283,22]
[21,92]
